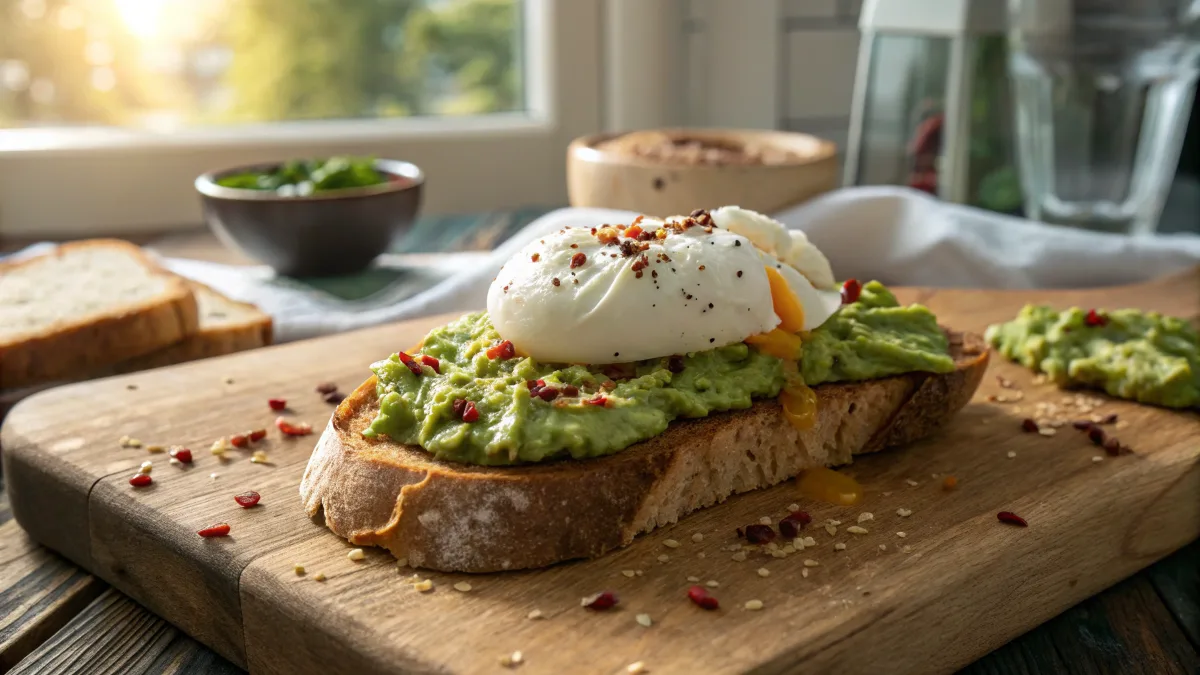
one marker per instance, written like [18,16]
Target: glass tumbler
[1103,90]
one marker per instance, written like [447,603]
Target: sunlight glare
[143,18]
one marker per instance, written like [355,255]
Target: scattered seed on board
[809,541]
[831,529]
[697,537]
[155,449]
[462,587]
[865,516]
[839,546]
[671,543]
[1097,458]
[712,583]
[319,576]
[512,660]
[855,529]
[629,573]
[903,513]
[356,554]
[298,569]
[535,614]
[883,547]
[804,572]
[402,562]
[146,467]
[901,534]
[809,562]
[212,476]
[911,482]
[663,557]
[174,462]
[423,586]
[740,556]
[644,620]
[754,605]
[764,572]
[765,520]
[636,668]
[1011,454]
[259,457]
[792,508]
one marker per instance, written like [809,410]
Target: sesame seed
[638,572]
[788,549]
[1011,454]
[462,587]
[663,558]
[213,475]
[319,576]
[740,556]
[865,516]
[712,583]
[809,562]
[643,620]
[809,541]
[671,543]
[155,448]
[831,529]
[535,614]
[298,569]
[855,529]
[423,586]
[219,446]
[701,555]
[906,548]
[901,535]
[1097,458]
[765,520]
[839,546]
[259,457]
[629,573]
[636,668]
[694,579]
[792,508]
[833,522]
[1048,431]
[402,562]
[903,513]
[911,482]
[174,462]
[356,554]
[883,547]
[754,605]
[146,467]
[804,572]
[697,537]
[764,572]
[512,660]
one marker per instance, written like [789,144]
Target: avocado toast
[497,445]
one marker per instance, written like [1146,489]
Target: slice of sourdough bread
[85,306]
[457,517]
[226,326]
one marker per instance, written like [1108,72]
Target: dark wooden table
[56,618]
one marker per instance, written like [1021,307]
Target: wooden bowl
[608,177]
[323,234]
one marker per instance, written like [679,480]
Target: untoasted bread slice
[84,306]
[457,517]
[226,326]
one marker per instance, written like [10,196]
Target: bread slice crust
[95,341]
[465,518]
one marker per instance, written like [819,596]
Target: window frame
[71,182]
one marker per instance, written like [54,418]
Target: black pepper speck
[737,242]
[739,274]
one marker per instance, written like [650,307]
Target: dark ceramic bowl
[322,234]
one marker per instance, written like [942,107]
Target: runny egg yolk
[778,343]
[798,400]
[829,486]
[787,305]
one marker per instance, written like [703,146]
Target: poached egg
[650,289]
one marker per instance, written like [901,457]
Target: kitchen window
[110,108]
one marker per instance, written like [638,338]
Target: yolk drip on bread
[787,305]
[830,486]
[778,343]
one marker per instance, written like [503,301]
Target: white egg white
[697,291]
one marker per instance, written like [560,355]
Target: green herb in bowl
[304,177]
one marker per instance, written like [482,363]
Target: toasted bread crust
[457,517]
[87,345]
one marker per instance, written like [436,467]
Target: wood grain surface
[965,585]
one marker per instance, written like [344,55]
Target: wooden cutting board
[957,585]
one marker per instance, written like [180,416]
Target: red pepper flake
[217,530]
[555,281]
[410,363]
[470,412]
[1096,435]
[141,480]
[247,499]
[1011,518]
[432,363]
[535,257]
[1029,426]
[1112,446]
[290,428]
[334,397]
[1095,318]
[326,387]
[570,390]
[1082,425]
[759,534]
[277,403]
[256,435]
[634,231]
[503,350]
[851,290]
[182,454]
[459,405]
[792,523]
[700,596]
[239,440]
[597,400]
[601,601]
[547,394]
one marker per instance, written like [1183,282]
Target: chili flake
[700,596]
[1011,518]
[247,499]
[1095,318]
[410,363]
[851,290]
[578,260]
[217,530]
[600,601]
[503,350]
[141,480]
[427,360]
[276,403]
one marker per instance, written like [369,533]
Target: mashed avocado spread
[525,411]
[1131,354]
